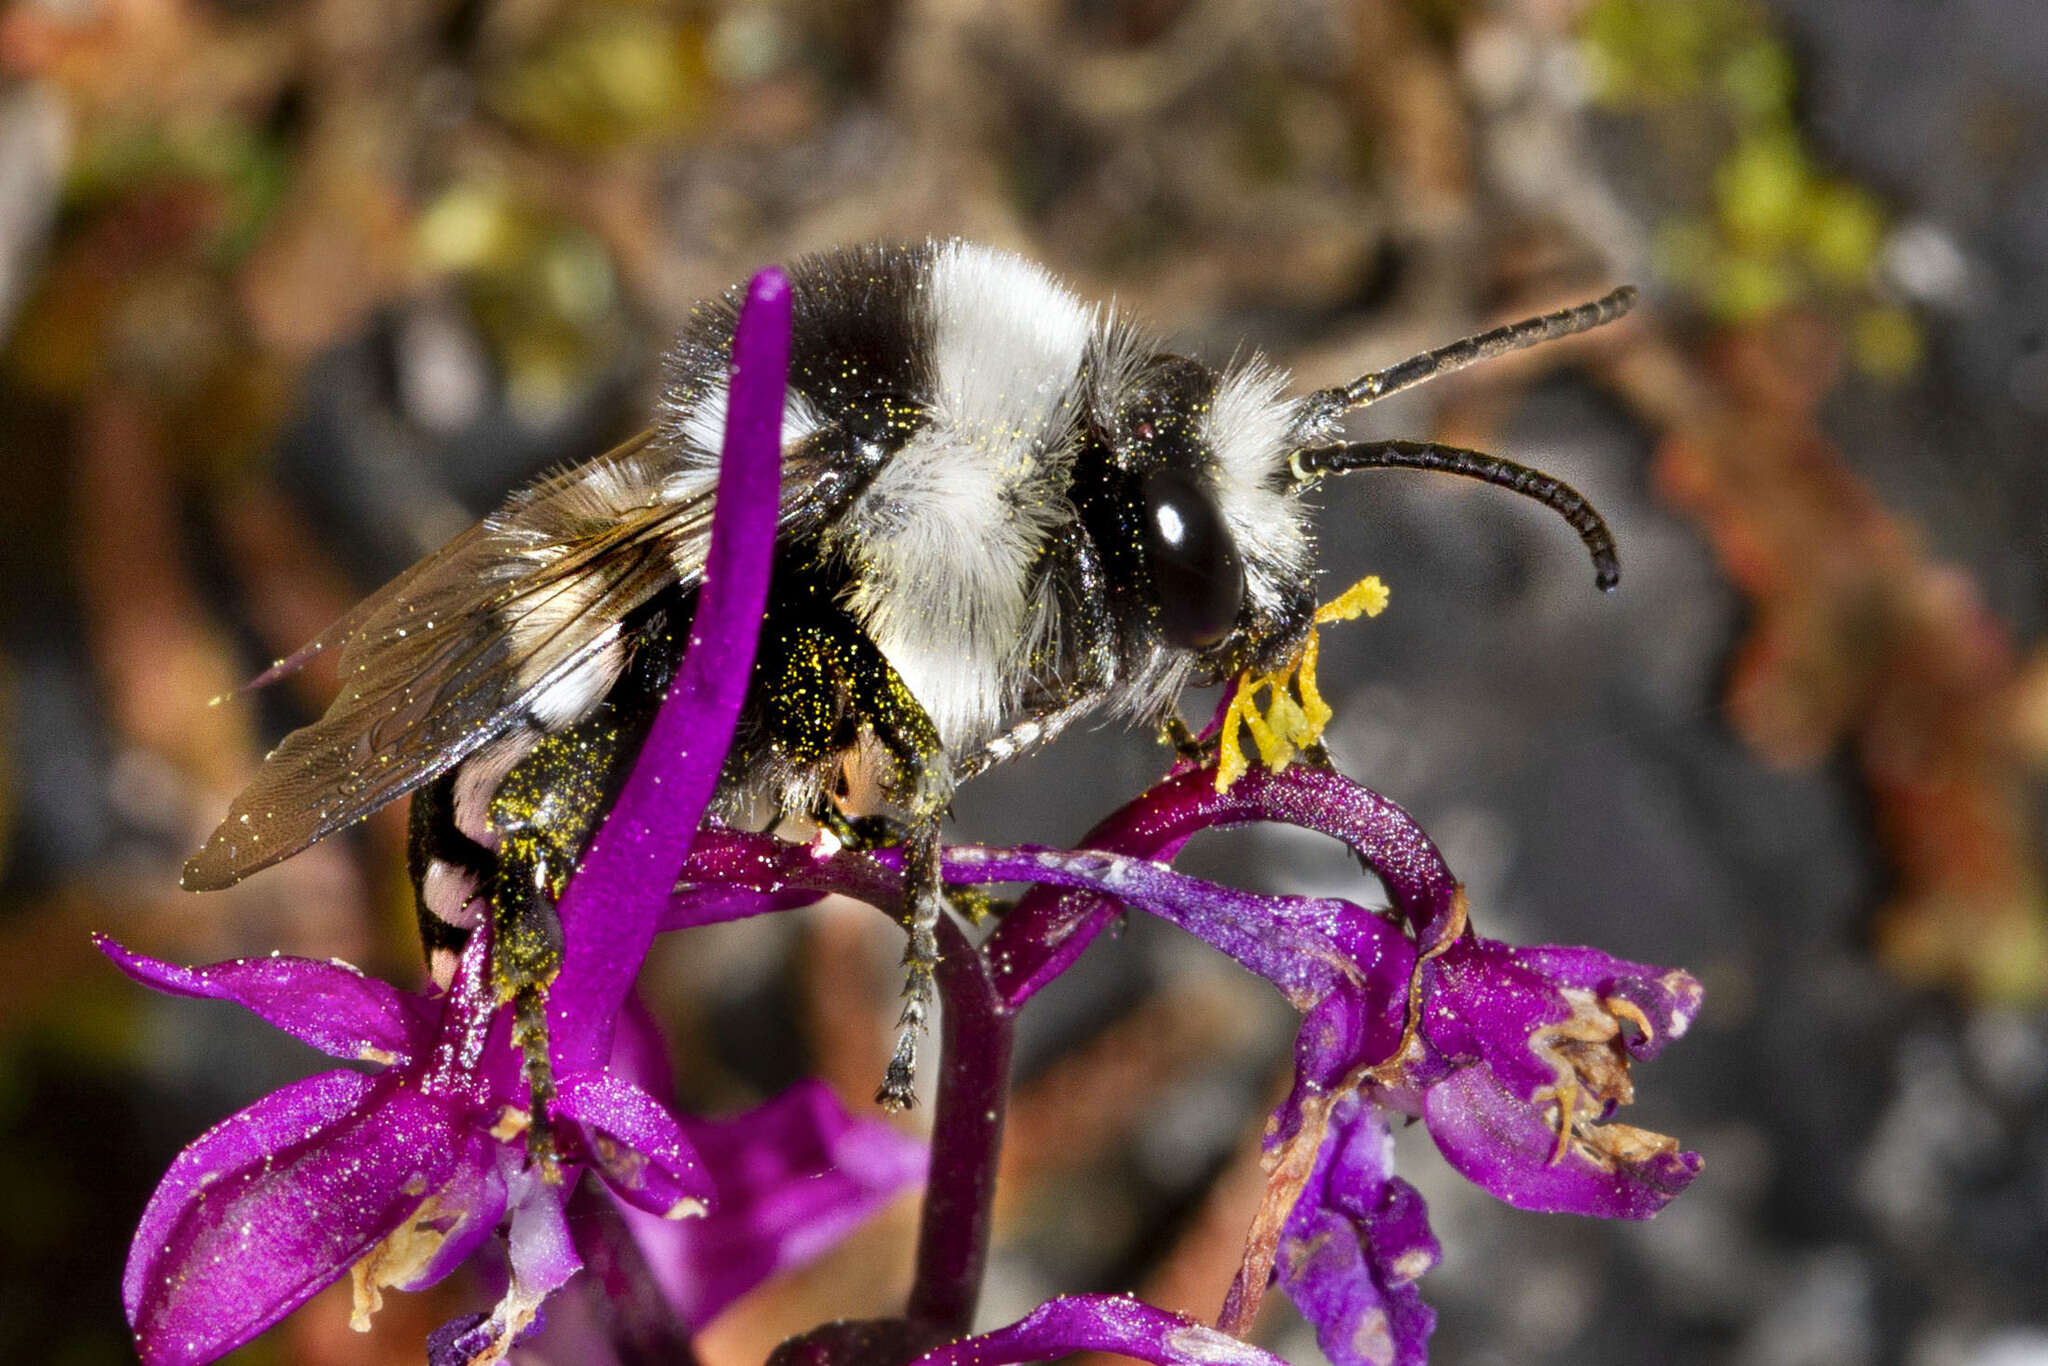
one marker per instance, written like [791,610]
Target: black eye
[1196,575]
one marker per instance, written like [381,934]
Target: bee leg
[923,784]
[544,812]
[826,684]
[526,954]
[1191,748]
[924,902]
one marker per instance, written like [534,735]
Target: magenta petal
[542,1253]
[281,1120]
[622,885]
[1303,945]
[327,1004]
[1505,1145]
[1043,935]
[1355,1243]
[635,1144]
[466,1212]
[793,1177]
[1484,1006]
[273,1204]
[1101,1323]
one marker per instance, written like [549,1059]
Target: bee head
[1192,491]
[1196,511]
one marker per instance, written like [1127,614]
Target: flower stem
[976,1029]
[643,1329]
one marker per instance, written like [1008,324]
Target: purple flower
[1515,1058]
[1354,1244]
[398,1176]
[394,1177]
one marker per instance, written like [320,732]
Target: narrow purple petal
[1306,946]
[1047,931]
[327,1004]
[793,1177]
[1506,1147]
[1354,1245]
[1303,945]
[1101,1323]
[635,1144]
[622,885]
[277,1202]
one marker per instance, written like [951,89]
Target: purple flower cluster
[1514,1058]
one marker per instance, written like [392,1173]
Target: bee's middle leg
[829,684]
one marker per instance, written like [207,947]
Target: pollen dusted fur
[1002,510]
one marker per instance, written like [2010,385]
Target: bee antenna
[1325,405]
[1316,461]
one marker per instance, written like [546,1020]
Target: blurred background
[290,290]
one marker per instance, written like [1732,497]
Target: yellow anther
[1292,718]
[1367,597]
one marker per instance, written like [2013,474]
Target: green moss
[1843,233]
[1778,229]
[1761,191]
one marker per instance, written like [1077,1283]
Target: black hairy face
[1143,495]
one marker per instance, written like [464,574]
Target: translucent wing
[455,651]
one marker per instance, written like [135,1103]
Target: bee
[1002,510]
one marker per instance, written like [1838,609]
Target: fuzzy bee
[1002,510]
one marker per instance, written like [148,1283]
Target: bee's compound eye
[1196,574]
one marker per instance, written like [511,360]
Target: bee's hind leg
[526,955]
[544,812]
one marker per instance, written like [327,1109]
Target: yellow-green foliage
[1771,226]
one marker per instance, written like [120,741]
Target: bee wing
[453,652]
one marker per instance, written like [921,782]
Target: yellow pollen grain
[1292,718]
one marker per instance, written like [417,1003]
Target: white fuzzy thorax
[950,529]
